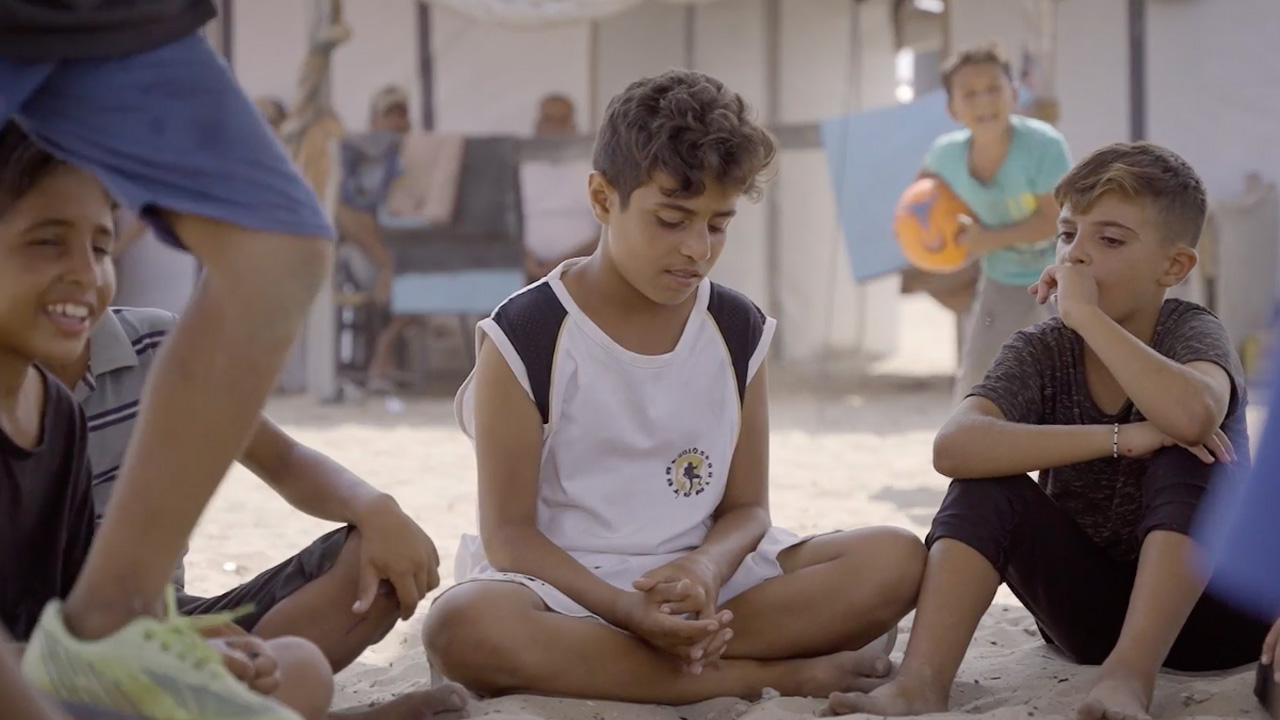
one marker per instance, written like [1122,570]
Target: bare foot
[1117,695]
[898,698]
[841,672]
[418,705]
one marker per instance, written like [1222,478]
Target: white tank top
[636,448]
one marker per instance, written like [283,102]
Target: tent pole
[426,69]
[773,201]
[690,35]
[1137,70]
[593,76]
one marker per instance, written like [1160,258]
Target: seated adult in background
[361,252]
[558,224]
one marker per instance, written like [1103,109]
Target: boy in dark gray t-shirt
[1127,405]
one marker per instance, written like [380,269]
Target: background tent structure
[1200,81]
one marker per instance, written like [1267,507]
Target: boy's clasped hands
[673,608]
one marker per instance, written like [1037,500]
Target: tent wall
[1213,94]
[271,42]
[383,49]
[835,56]
[1211,84]
[489,78]
[1092,45]
[1093,75]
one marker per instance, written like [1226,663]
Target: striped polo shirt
[122,349]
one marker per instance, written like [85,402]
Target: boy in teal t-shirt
[1004,167]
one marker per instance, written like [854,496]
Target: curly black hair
[687,125]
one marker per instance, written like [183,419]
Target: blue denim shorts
[165,130]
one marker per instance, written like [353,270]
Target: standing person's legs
[172,136]
[998,311]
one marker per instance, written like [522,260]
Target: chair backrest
[487,229]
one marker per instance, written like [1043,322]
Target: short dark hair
[1141,171]
[685,124]
[987,54]
[23,164]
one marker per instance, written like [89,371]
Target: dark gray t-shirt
[1039,379]
[43,30]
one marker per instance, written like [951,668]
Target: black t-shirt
[81,29]
[1039,379]
[46,512]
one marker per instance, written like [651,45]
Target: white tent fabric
[545,12]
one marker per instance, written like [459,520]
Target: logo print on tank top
[690,473]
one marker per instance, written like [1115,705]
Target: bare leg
[383,360]
[321,612]
[838,592]
[306,685]
[498,638]
[218,365]
[959,585]
[1164,594]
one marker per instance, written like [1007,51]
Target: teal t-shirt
[1037,160]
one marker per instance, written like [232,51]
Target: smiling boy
[1004,166]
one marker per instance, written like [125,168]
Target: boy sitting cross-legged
[1126,404]
[619,410]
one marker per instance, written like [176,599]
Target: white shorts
[620,571]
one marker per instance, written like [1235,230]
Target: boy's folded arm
[978,442]
[742,519]
[1186,402]
[508,439]
[308,479]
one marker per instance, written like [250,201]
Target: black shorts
[269,588]
[1079,593]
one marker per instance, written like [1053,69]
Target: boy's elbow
[1195,425]
[502,549]
[1196,420]
[948,459]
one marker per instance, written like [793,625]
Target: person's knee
[900,558]
[291,267]
[306,680]
[471,641]
[980,498]
[985,513]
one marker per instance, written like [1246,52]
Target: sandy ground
[858,455]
